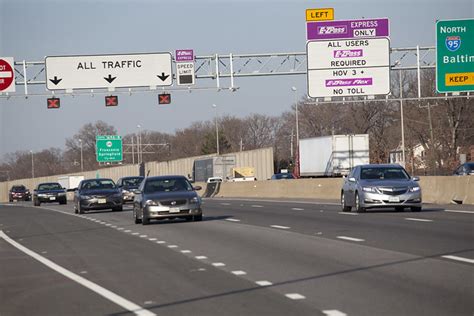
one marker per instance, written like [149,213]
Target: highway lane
[319,273]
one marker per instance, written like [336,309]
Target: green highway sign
[109,148]
[455,56]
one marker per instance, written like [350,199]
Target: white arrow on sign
[108,71]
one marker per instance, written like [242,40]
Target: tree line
[443,127]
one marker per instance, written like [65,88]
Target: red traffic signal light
[164,98]
[53,103]
[111,100]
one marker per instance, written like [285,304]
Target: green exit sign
[109,148]
[455,56]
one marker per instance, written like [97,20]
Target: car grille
[173,202]
[393,191]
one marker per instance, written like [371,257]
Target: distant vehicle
[49,192]
[380,186]
[283,176]
[70,182]
[19,192]
[128,186]
[465,169]
[166,197]
[214,179]
[240,179]
[330,156]
[97,194]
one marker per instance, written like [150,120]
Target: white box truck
[335,155]
[70,182]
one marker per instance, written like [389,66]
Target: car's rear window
[49,186]
[98,185]
[383,173]
[167,185]
[132,181]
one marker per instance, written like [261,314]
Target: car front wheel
[345,208]
[416,208]
[358,207]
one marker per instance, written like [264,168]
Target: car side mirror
[352,179]
[416,179]
[197,188]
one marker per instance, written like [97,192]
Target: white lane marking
[127,231]
[232,220]
[218,264]
[348,213]
[185,251]
[113,226]
[280,227]
[200,257]
[295,296]
[143,236]
[456,211]
[161,242]
[173,246]
[134,234]
[334,312]
[459,259]
[350,238]
[256,205]
[239,272]
[111,296]
[264,283]
[297,209]
[120,228]
[225,203]
[151,239]
[108,224]
[418,219]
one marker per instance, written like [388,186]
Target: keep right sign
[455,56]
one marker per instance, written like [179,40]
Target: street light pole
[217,131]
[82,161]
[139,144]
[401,119]
[297,128]
[32,164]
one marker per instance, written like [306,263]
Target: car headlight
[42,195]
[61,193]
[368,189]
[86,197]
[125,191]
[414,189]
[151,203]
[195,200]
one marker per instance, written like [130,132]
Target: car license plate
[394,199]
[174,209]
[101,201]
[52,198]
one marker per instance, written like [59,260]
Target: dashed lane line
[333,312]
[264,283]
[350,238]
[239,272]
[295,296]
[348,213]
[280,227]
[186,251]
[462,259]
[218,264]
[111,296]
[257,206]
[457,211]
[418,219]
[201,257]
[232,220]
[297,209]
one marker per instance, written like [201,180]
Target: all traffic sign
[455,55]
[109,148]
[108,71]
[7,74]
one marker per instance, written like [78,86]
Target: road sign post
[455,56]
[108,71]
[7,75]
[109,148]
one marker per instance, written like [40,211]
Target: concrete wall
[438,190]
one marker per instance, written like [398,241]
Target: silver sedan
[380,186]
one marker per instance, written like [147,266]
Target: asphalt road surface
[247,257]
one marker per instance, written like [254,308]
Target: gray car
[166,197]
[380,186]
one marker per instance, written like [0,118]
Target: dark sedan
[19,192]
[97,194]
[128,186]
[51,192]
[283,176]
[465,169]
[166,197]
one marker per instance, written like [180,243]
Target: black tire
[63,202]
[345,208]
[145,220]
[80,210]
[399,208]
[118,208]
[416,208]
[189,218]
[197,218]
[135,217]
[358,208]
[10,200]
[36,203]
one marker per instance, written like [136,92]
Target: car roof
[48,183]
[132,177]
[382,165]
[165,177]
[97,179]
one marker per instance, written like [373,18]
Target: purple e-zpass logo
[184,55]
[349,82]
[335,29]
[348,53]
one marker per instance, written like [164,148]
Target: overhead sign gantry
[108,71]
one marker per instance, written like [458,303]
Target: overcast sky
[33,29]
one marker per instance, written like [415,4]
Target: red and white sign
[7,75]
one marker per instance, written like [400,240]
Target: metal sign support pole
[401,118]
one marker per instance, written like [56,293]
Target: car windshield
[132,181]
[383,173]
[470,165]
[167,185]
[18,188]
[98,185]
[49,186]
